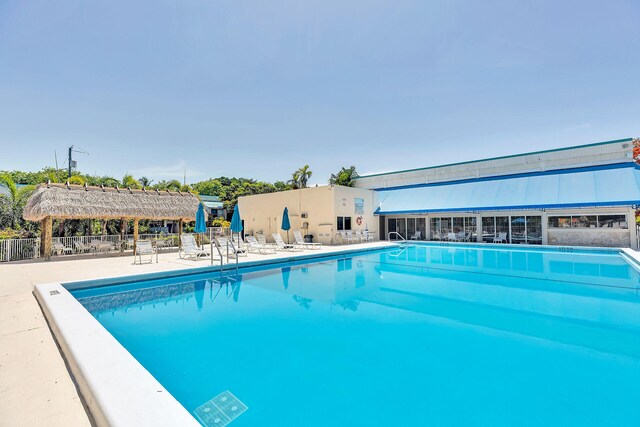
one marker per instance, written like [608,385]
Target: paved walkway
[35,386]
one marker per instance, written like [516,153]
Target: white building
[583,195]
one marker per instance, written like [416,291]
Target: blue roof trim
[629,164]
[521,207]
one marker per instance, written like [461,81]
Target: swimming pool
[410,335]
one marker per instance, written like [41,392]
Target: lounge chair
[227,244]
[352,236]
[501,238]
[451,237]
[359,235]
[262,239]
[300,241]
[144,247]
[282,246]
[416,236]
[190,248]
[461,236]
[61,249]
[256,247]
[81,248]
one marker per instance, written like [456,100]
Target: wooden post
[135,235]
[46,240]
[180,234]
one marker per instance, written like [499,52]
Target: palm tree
[128,181]
[16,198]
[144,181]
[345,177]
[300,177]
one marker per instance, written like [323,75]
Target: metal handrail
[396,233]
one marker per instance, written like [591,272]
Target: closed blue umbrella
[236,221]
[236,227]
[201,223]
[286,225]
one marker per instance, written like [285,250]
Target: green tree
[144,181]
[128,181]
[300,177]
[15,201]
[345,177]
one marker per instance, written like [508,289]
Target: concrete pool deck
[35,385]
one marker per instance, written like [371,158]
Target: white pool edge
[117,390]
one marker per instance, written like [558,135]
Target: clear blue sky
[260,88]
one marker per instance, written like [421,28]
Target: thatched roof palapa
[80,202]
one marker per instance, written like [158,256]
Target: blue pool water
[416,335]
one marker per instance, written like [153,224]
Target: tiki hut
[64,201]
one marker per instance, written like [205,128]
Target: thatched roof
[79,202]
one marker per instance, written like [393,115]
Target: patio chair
[256,247]
[285,246]
[357,235]
[500,238]
[227,244]
[190,248]
[451,237]
[81,248]
[143,248]
[300,241]
[436,235]
[416,236]
[367,236]
[352,237]
[61,249]
[262,239]
[461,236]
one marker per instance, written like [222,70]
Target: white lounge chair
[282,246]
[501,238]
[262,239]
[416,236]
[300,241]
[256,247]
[81,248]
[190,248]
[451,237]
[144,247]
[61,249]
[227,244]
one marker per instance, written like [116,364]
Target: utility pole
[69,162]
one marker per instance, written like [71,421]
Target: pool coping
[102,368]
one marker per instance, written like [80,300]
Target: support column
[633,230]
[180,234]
[135,235]
[46,231]
[479,238]
[545,228]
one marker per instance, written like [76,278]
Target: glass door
[402,227]
[392,227]
[411,228]
[421,227]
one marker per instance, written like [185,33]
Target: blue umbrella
[201,223]
[236,221]
[236,227]
[286,225]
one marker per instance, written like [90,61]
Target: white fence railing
[17,249]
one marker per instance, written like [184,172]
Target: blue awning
[610,185]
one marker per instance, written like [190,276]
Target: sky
[260,88]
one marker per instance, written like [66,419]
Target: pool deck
[35,385]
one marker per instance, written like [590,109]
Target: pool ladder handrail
[397,234]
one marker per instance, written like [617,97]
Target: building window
[344,223]
[589,221]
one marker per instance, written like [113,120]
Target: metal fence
[17,249]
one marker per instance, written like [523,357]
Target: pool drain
[220,410]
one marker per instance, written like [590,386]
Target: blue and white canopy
[609,185]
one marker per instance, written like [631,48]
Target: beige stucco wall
[262,213]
